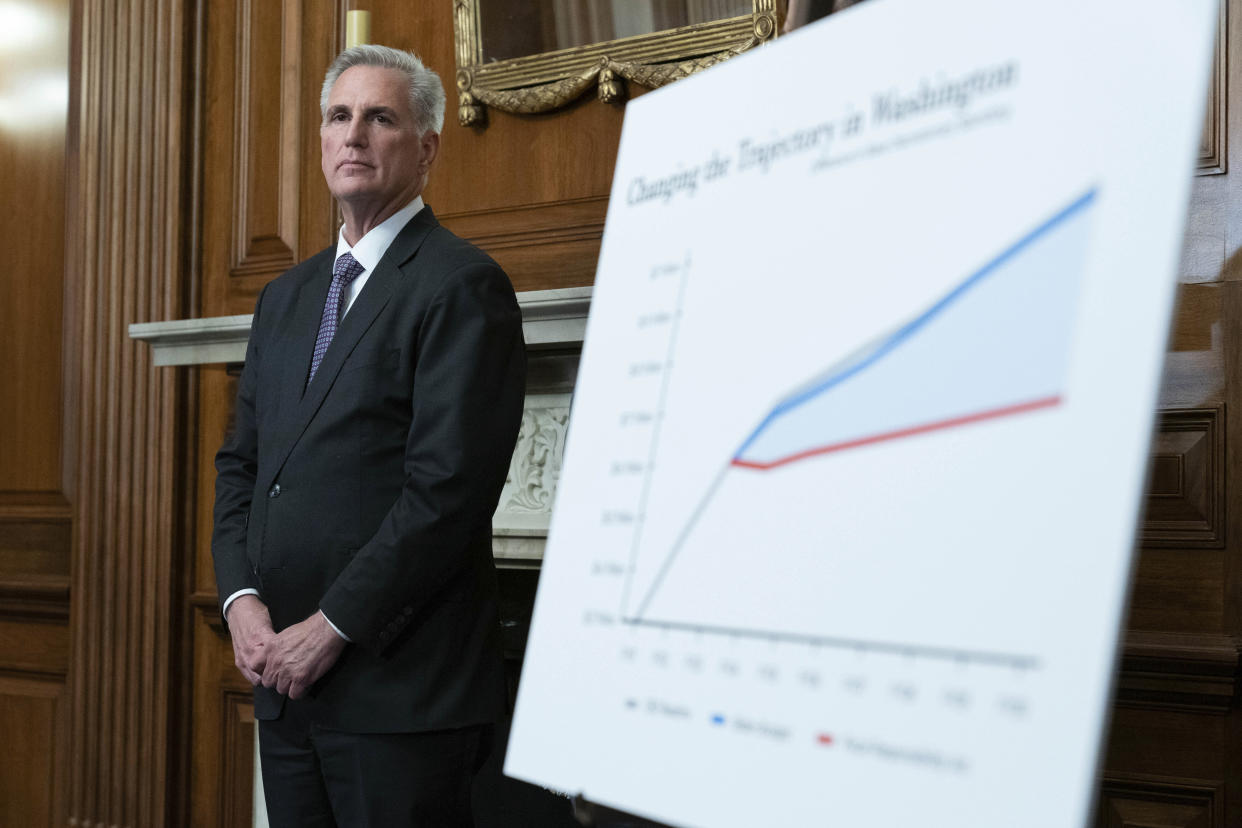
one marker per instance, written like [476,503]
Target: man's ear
[431,148]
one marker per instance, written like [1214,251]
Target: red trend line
[966,419]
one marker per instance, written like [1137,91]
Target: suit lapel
[298,408]
[305,328]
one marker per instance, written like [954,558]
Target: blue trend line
[911,327]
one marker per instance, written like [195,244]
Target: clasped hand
[290,661]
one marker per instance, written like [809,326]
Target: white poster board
[845,524]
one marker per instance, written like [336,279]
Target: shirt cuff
[225,609]
[335,628]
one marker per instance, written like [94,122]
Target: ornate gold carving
[611,90]
[469,113]
[541,83]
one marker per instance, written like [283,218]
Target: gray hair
[426,91]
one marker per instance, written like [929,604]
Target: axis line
[989,657]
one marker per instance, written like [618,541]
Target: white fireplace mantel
[553,321]
[550,319]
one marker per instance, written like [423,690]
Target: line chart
[994,346]
[858,436]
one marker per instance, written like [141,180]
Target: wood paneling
[1186,491]
[1166,744]
[1194,673]
[266,137]
[223,726]
[265,206]
[1212,141]
[237,759]
[35,449]
[133,218]
[540,246]
[35,531]
[32,163]
[1173,753]
[34,647]
[1145,802]
[32,762]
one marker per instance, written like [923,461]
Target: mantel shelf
[550,319]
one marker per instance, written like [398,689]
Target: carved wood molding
[1186,494]
[35,598]
[539,245]
[1212,140]
[207,606]
[532,224]
[35,506]
[36,529]
[236,771]
[132,152]
[1178,671]
[266,163]
[34,708]
[1142,800]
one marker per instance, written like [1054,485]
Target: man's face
[373,155]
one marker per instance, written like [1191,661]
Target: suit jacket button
[274,491]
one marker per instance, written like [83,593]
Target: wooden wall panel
[32,762]
[132,216]
[35,512]
[32,163]
[1142,802]
[265,206]
[1181,672]
[1174,747]
[1212,141]
[34,535]
[33,646]
[540,246]
[1186,490]
[223,736]
[266,138]
[237,769]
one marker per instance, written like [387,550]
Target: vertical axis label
[641,515]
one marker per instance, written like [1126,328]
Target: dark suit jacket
[369,492]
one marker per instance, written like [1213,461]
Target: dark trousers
[314,777]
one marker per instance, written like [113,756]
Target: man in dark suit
[375,418]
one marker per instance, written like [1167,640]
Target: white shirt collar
[372,247]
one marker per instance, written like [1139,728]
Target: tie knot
[347,269]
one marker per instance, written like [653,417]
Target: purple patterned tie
[347,269]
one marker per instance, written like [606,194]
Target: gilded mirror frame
[548,81]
